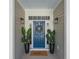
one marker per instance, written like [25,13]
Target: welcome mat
[39,53]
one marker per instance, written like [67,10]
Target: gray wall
[59,28]
[19,48]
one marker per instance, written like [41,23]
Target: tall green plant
[24,37]
[50,36]
[29,33]
[23,31]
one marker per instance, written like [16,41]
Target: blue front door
[38,34]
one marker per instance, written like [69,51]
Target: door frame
[46,45]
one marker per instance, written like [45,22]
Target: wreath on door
[39,28]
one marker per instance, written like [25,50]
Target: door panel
[38,34]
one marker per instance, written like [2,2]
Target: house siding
[19,48]
[59,28]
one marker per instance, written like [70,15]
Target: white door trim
[43,49]
[46,46]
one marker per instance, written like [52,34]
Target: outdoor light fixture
[56,20]
[47,24]
[22,20]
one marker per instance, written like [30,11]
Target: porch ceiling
[39,3]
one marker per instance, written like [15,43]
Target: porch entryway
[41,17]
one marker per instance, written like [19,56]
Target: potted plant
[51,40]
[24,40]
[29,34]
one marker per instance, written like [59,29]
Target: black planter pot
[26,47]
[52,46]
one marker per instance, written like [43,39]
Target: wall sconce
[22,20]
[47,24]
[56,20]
